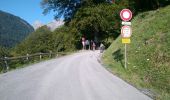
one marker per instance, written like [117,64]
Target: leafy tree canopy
[66,8]
[43,40]
[97,20]
[37,41]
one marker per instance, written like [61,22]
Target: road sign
[126,31]
[126,40]
[126,15]
[126,23]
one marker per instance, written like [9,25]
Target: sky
[29,10]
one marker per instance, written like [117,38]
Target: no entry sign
[126,15]
[126,31]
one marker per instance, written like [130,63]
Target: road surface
[75,77]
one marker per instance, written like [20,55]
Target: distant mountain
[55,24]
[52,25]
[13,29]
[37,24]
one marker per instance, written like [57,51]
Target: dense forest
[13,30]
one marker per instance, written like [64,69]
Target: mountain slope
[52,25]
[148,54]
[12,29]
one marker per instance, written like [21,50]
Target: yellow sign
[126,40]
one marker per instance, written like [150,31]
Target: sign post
[126,31]
[125,56]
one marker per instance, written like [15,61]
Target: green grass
[148,54]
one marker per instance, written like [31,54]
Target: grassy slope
[148,54]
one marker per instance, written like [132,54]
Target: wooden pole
[50,54]
[6,64]
[40,56]
[27,56]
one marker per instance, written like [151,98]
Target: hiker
[87,44]
[83,43]
[91,44]
[102,47]
[94,46]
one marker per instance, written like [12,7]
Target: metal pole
[125,56]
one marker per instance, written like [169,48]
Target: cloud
[37,24]
[52,25]
[55,24]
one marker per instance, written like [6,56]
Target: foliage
[65,39]
[148,54]
[142,5]
[95,19]
[66,8]
[95,23]
[38,41]
[150,4]
[43,40]
[4,52]
[12,29]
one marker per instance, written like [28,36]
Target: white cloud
[52,25]
[37,24]
[55,24]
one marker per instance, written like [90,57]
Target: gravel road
[75,77]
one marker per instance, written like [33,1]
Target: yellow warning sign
[126,40]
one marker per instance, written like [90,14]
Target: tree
[38,41]
[95,22]
[66,8]
[45,41]
[65,39]
[144,5]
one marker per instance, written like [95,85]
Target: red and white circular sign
[126,15]
[126,31]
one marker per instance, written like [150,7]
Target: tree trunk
[96,35]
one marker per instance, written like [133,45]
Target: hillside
[12,29]
[148,54]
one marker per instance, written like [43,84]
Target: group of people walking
[91,45]
[88,45]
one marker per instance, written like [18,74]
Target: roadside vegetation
[148,54]
[98,20]
[41,42]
